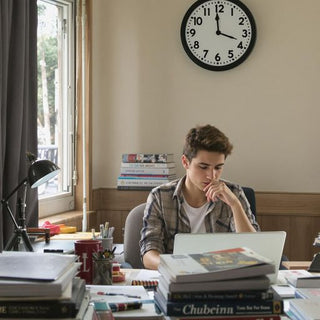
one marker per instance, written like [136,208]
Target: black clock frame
[222,67]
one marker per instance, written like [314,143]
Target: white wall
[147,93]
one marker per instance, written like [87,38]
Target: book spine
[147,157]
[147,171]
[37,309]
[146,176]
[140,188]
[254,317]
[229,295]
[148,284]
[150,166]
[141,182]
[220,307]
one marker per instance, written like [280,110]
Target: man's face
[204,168]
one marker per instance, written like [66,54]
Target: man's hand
[217,189]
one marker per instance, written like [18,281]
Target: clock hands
[218,32]
[226,35]
[217,20]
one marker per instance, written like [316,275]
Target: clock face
[218,34]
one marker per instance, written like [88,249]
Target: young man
[199,202]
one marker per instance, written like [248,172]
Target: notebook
[267,243]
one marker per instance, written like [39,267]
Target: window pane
[55,98]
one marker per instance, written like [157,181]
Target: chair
[133,226]
[250,195]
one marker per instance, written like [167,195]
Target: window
[56,101]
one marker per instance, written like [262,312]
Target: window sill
[69,218]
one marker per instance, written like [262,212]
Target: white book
[28,288]
[141,165]
[302,278]
[306,309]
[148,171]
[141,182]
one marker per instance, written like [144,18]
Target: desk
[295,265]
[67,246]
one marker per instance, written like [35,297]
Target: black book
[66,308]
[218,295]
[217,307]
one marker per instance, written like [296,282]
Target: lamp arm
[15,189]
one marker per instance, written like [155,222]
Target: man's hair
[207,138]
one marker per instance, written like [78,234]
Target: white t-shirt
[196,216]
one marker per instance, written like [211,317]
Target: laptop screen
[267,243]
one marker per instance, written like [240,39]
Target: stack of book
[41,285]
[140,171]
[306,306]
[227,284]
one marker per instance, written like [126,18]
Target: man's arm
[151,259]
[241,220]
[218,189]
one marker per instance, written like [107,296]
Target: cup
[84,249]
[107,243]
[102,271]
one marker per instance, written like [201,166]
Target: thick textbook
[217,265]
[67,308]
[253,283]
[148,157]
[216,295]
[217,307]
[24,288]
[302,278]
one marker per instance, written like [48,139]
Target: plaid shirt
[165,216]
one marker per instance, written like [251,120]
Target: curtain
[18,98]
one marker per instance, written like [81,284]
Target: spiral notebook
[267,243]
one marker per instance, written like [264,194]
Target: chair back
[132,228]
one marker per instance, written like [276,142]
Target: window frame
[65,200]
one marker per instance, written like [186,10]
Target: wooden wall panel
[297,214]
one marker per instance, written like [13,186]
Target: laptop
[267,243]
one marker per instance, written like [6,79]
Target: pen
[110,232]
[117,294]
[101,230]
[115,307]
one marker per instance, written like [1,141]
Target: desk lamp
[40,171]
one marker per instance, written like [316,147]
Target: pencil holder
[102,271]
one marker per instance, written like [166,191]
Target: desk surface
[67,246]
[291,265]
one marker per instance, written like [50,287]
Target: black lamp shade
[41,171]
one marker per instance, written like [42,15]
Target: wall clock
[218,34]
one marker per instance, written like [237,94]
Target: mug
[84,249]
